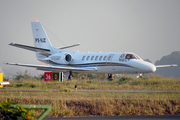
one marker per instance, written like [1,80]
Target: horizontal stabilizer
[162,66]
[69,46]
[35,49]
[55,68]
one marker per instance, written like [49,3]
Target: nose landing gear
[140,75]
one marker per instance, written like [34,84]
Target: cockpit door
[109,59]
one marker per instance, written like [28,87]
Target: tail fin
[39,36]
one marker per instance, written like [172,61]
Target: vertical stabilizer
[39,36]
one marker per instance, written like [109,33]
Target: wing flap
[55,68]
[162,66]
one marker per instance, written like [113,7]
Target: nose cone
[149,67]
[153,68]
[142,66]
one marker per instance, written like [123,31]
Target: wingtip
[12,43]
[174,65]
[11,63]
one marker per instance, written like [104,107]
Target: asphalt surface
[120,91]
[135,117]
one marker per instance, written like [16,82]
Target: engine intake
[68,58]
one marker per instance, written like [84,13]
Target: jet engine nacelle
[61,58]
[67,58]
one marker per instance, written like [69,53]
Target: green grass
[91,95]
[99,103]
[68,103]
[123,83]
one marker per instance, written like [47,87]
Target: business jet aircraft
[61,60]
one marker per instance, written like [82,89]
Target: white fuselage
[103,62]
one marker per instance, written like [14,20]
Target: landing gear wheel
[70,75]
[140,75]
[110,77]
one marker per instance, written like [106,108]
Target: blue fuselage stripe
[92,64]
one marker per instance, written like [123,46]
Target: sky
[148,28]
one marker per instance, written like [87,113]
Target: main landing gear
[110,77]
[70,75]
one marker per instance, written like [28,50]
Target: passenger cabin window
[96,57]
[104,58]
[87,58]
[121,58]
[92,57]
[109,58]
[100,58]
[83,57]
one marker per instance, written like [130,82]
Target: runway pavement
[132,117]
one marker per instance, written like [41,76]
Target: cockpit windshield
[129,56]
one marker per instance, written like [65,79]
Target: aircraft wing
[35,49]
[162,66]
[55,68]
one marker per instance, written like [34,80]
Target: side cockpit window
[121,58]
[131,56]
